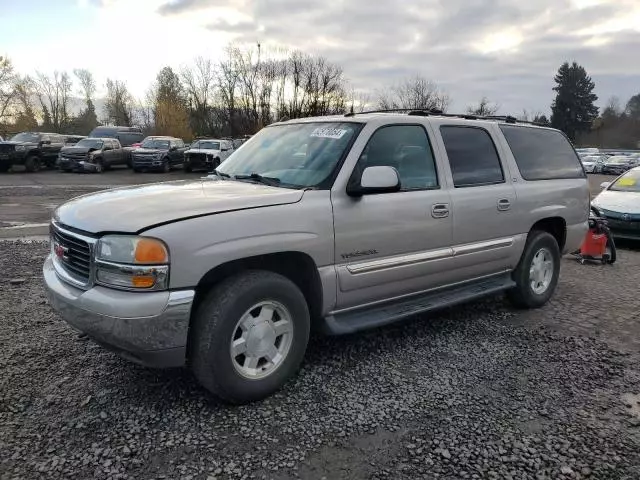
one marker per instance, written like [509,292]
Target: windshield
[208,145]
[89,143]
[155,143]
[26,137]
[297,154]
[629,182]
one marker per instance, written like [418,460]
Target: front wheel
[537,273]
[32,163]
[166,166]
[99,167]
[249,336]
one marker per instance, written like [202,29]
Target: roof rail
[439,113]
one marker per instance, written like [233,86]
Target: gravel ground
[472,393]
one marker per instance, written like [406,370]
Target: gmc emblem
[60,251]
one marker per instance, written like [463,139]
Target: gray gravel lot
[478,391]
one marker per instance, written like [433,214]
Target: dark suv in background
[92,155]
[34,150]
[127,136]
[158,153]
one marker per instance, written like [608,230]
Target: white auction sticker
[328,132]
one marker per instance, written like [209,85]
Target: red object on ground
[594,245]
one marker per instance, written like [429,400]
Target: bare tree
[228,84]
[119,104]
[414,93]
[485,108]
[25,117]
[199,87]
[53,92]
[8,79]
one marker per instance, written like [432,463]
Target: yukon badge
[359,253]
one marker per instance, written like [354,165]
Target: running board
[390,312]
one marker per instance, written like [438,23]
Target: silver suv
[332,224]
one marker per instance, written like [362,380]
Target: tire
[99,166]
[216,163]
[5,167]
[523,294]
[166,166]
[187,167]
[216,324]
[32,163]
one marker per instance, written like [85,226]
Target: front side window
[472,156]
[541,153]
[405,148]
[272,153]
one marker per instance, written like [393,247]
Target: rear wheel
[32,163]
[249,336]
[537,273]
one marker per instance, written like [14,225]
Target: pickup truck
[320,225]
[33,150]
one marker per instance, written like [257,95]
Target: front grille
[4,148]
[73,253]
[74,156]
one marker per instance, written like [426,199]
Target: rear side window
[542,154]
[472,156]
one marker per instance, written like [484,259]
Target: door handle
[504,204]
[440,210]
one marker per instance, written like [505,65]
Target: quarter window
[541,153]
[407,149]
[472,156]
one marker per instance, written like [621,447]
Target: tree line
[249,88]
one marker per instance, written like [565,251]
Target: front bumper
[70,164]
[614,170]
[199,161]
[12,158]
[148,328]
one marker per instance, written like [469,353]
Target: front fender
[200,244]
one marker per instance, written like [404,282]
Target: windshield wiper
[221,174]
[271,181]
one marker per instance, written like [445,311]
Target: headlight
[20,148]
[130,262]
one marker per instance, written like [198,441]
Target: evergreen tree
[573,110]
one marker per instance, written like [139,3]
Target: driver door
[393,244]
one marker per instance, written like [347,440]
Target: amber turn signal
[150,251]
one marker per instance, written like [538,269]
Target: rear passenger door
[483,201]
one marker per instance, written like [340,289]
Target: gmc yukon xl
[333,225]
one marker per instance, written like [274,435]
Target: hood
[137,208]
[620,202]
[203,150]
[77,150]
[149,151]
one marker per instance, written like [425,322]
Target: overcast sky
[507,50]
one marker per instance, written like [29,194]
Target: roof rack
[439,113]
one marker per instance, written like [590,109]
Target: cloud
[506,50]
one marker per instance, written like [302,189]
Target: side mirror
[604,185]
[46,142]
[381,179]
[173,148]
